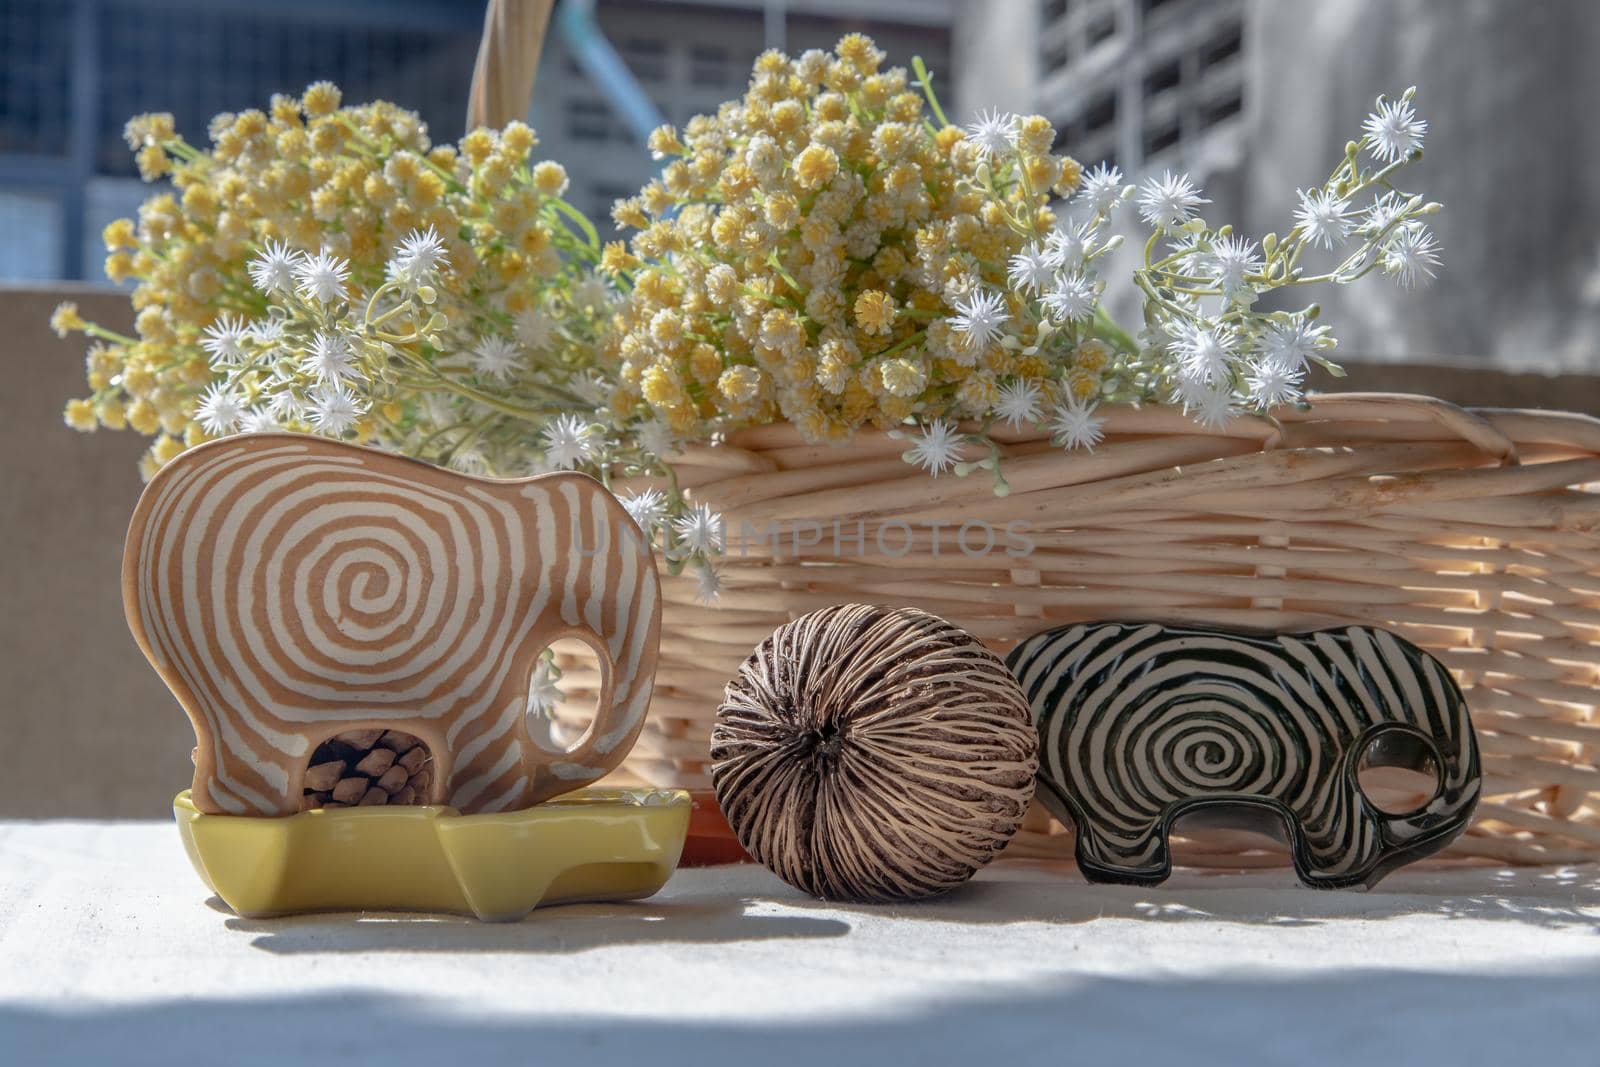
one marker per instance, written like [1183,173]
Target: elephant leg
[1143,858]
[1138,859]
[1346,853]
[225,784]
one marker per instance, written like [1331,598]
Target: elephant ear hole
[367,767]
[564,694]
[1399,772]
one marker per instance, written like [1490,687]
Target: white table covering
[111,953]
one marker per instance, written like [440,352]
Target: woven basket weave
[1475,534]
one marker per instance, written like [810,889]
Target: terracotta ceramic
[592,844]
[1141,724]
[289,588]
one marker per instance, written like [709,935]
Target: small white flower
[1272,383]
[259,420]
[1214,408]
[1066,248]
[700,530]
[708,583]
[273,271]
[544,695]
[1169,201]
[321,278]
[283,401]
[267,333]
[937,448]
[495,357]
[334,409]
[1393,131]
[567,441]
[1384,212]
[1323,217]
[224,341]
[416,260]
[1018,403]
[535,330]
[470,460]
[1193,258]
[1204,351]
[992,133]
[1292,344]
[1411,256]
[647,508]
[1073,298]
[982,314]
[330,358]
[219,410]
[656,438]
[1232,258]
[1030,271]
[1187,393]
[592,293]
[591,388]
[1101,189]
[1073,425]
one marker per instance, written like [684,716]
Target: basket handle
[1409,407]
[508,61]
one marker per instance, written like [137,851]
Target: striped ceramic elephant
[1142,723]
[289,588]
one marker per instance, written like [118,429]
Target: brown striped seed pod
[869,753]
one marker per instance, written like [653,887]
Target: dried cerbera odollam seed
[867,753]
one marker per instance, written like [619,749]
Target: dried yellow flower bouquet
[828,250]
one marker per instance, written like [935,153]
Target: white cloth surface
[110,952]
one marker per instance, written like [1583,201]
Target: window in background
[1142,81]
[35,90]
[73,71]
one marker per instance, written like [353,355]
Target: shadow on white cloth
[1388,1017]
[108,954]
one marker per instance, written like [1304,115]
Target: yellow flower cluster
[351,182]
[803,249]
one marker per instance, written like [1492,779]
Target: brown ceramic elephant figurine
[289,588]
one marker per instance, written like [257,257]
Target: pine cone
[363,767]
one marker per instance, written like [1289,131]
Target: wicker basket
[1476,534]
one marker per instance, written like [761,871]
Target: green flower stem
[900,345]
[925,80]
[591,235]
[1109,328]
[94,329]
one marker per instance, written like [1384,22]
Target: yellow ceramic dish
[592,844]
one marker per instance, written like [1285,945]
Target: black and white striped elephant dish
[1141,724]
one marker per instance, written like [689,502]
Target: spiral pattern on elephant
[868,753]
[1135,721]
[288,583]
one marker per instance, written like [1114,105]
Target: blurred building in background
[73,71]
[1254,97]
[1134,81]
